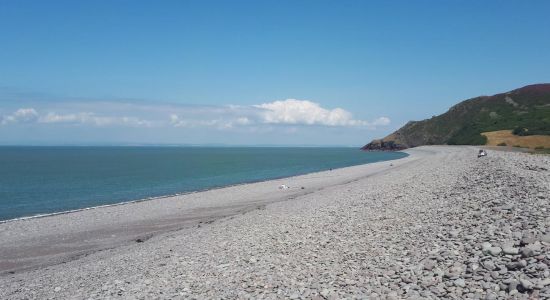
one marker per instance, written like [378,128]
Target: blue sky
[254,72]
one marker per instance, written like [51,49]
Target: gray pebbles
[448,225]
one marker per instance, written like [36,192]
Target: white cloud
[382,121]
[30,115]
[22,115]
[304,112]
[52,117]
[243,121]
[178,121]
[93,119]
[290,112]
[174,119]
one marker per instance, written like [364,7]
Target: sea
[45,180]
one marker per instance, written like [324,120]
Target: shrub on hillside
[519,131]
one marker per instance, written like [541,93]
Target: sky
[330,73]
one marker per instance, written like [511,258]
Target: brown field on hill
[494,138]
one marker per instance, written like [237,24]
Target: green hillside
[525,110]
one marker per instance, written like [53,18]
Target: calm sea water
[39,180]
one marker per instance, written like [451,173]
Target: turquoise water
[40,180]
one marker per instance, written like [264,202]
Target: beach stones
[528,239]
[527,252]
[445,227]
[460,282]
[494,251]
[510,250]
[526,284]
[512,266]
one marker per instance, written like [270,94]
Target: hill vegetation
[525,111]
[508,138]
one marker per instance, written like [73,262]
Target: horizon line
[212,145]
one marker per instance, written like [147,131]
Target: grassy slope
[496,138]
[527,107]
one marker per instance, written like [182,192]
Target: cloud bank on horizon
[289,112]
[45,120]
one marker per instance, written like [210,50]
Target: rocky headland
[525,111]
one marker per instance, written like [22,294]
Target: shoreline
[44,215]
[90,230]
[441,223]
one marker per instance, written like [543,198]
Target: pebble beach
[440,223]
